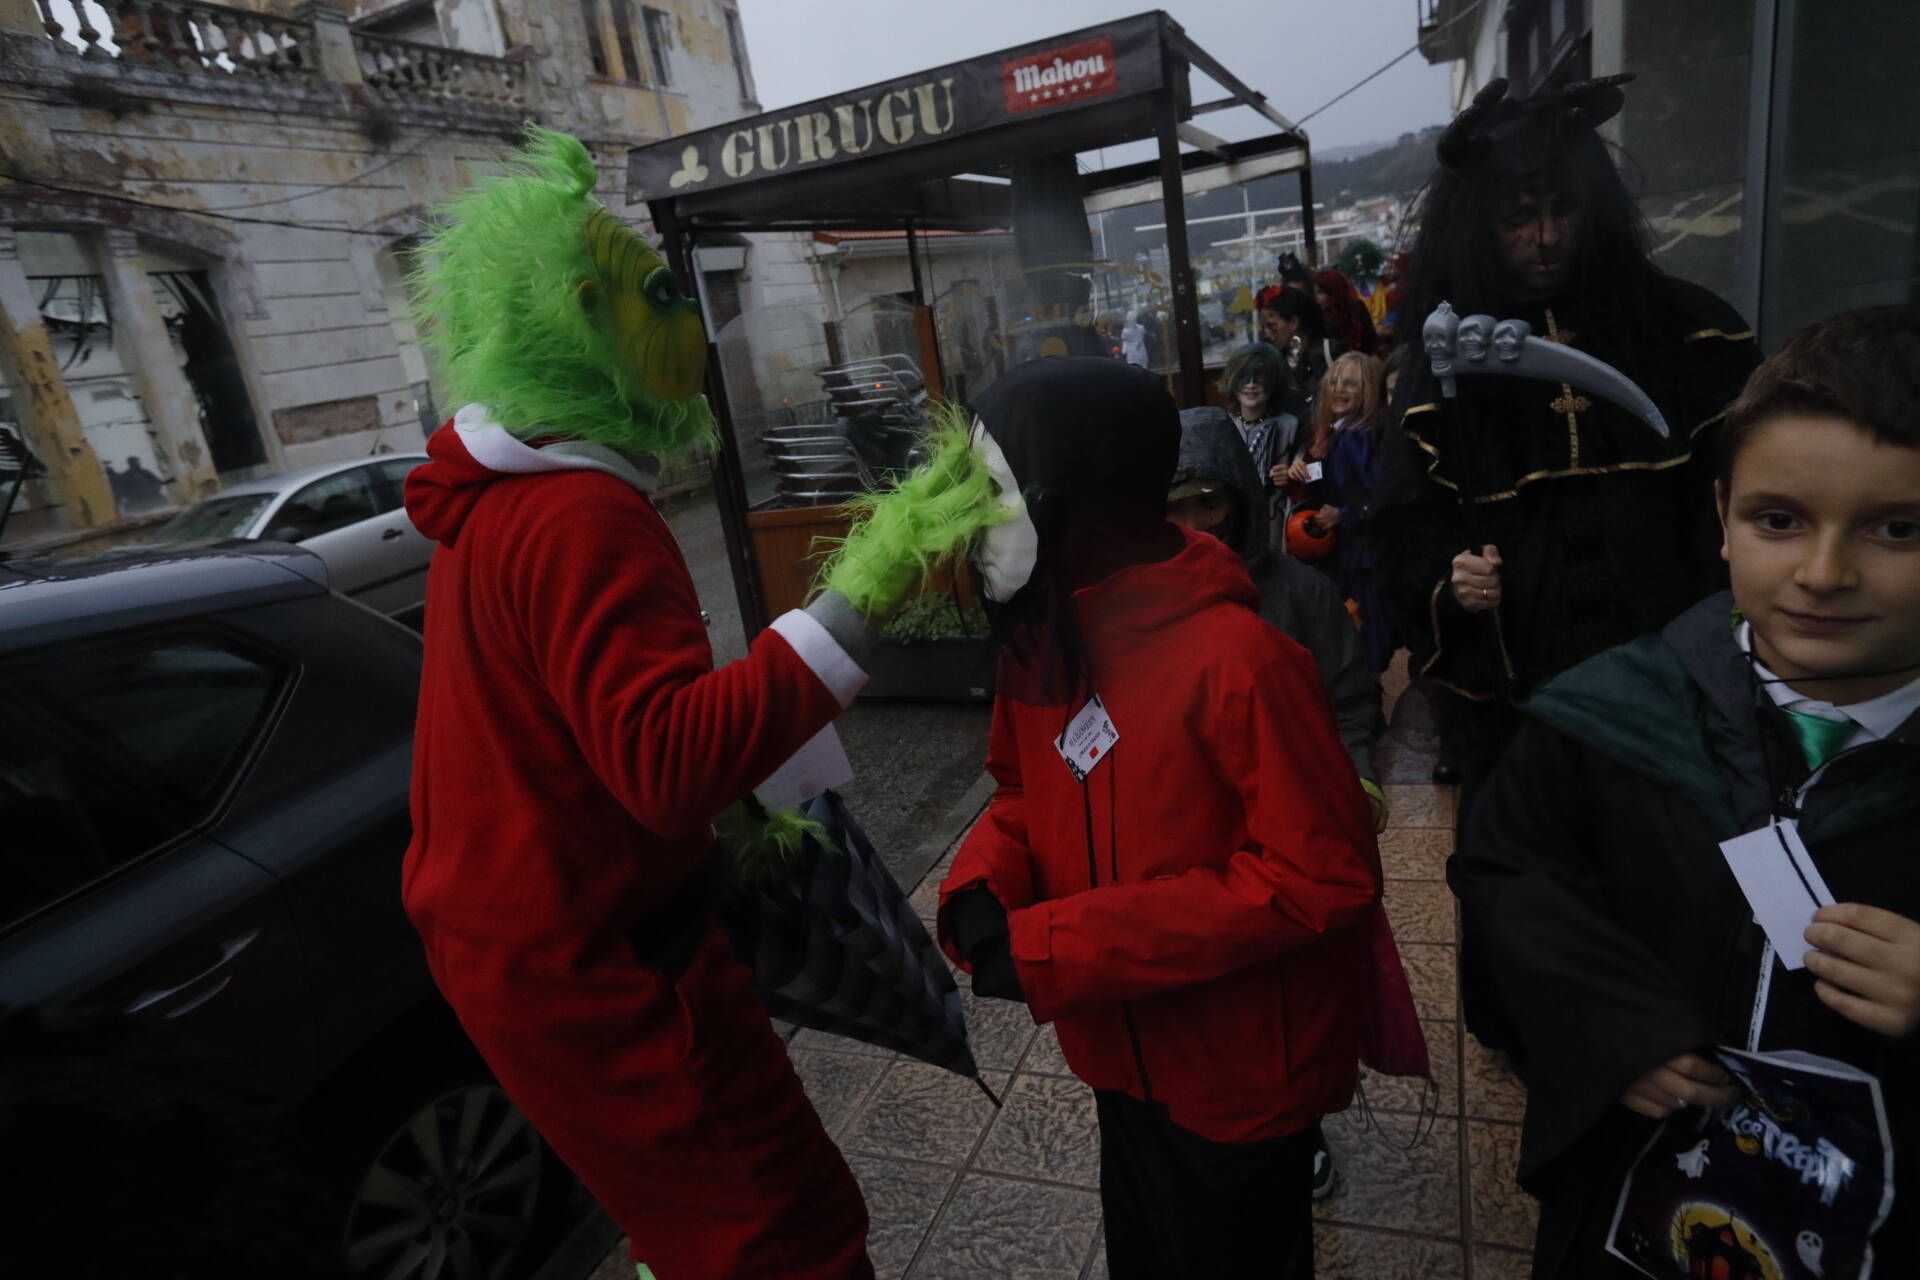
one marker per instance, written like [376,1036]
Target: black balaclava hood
[1079,433]
[1083,427]
[1212,452]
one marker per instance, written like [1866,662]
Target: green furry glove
[899,536]
[757,847]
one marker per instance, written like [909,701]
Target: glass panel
[1842,200]
[214,518]
[770,359]
[326,505]
[109,751]
[393,479]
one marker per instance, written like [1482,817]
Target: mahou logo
[1054,77]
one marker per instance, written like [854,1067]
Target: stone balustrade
[409,70]
[313,47]
[184,35]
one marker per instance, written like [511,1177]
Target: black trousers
[1177,1205]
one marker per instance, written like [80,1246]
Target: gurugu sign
[1123,58]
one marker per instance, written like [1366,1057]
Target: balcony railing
[186,35]
[214,40]
[409,70]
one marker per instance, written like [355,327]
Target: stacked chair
[879,416]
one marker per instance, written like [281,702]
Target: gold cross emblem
[1569,403]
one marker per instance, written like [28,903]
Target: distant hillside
[1399,168]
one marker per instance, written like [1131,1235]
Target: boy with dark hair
[1178,868]
[1622,945]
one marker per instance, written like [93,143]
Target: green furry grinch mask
[552,312]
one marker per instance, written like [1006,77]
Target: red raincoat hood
[1143,599]
[472,451]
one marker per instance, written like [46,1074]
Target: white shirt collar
[1877,718]
[497,449]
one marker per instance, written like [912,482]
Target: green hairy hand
[757,847]
[899,536]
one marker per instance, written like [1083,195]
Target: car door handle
[391,534]
[201,987]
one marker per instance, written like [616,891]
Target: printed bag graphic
[1787,1183]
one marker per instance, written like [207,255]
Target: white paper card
[820,765]
[1315,470]
[1782,885]
[1089,737]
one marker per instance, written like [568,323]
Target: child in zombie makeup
[1178,868]
[575,745]
[1621,943]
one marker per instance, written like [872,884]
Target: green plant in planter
[936,617]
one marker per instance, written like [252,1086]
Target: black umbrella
[834,946]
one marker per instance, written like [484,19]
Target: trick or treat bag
[1787,1183]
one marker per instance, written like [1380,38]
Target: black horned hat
[1515,134]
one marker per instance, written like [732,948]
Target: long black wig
[1547,145]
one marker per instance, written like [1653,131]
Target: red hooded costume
[1202,920]
[574,744]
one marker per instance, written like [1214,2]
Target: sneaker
[1322,1170]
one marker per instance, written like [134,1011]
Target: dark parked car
[204,760]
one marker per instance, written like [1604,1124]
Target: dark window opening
[659,26]
[737,42]
[590,13]
[212,369]
[623,32]
[1548,44]
[723,298]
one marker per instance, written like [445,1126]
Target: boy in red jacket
[1178,868]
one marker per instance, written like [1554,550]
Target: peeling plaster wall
[306,307]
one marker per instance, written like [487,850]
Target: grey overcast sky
[1299,53]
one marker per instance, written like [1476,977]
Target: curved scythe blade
[1480,344]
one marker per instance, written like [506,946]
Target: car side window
[332,502]
[109,751]
[393,475]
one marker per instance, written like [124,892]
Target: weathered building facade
[206,215]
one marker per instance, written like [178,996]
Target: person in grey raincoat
[1214,489]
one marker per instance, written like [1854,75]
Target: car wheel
[459,1189]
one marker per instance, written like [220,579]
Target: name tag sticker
[1782,885]
[1088,740]
[1315,470]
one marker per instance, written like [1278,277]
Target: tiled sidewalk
[956,1190]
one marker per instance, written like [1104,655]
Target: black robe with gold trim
[1605,530]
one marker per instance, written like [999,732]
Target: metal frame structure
[797,169]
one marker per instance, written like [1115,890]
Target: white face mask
[1007,552]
